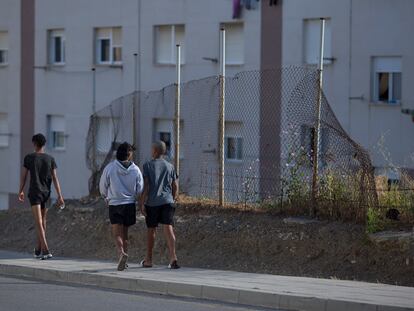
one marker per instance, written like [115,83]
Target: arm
[104,184]
[57,187]
[139,185]
[175,189]
[144,196]
[23,179]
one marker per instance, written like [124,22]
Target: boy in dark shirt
[42,169]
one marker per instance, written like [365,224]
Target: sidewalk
[272,291]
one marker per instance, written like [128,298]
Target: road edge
[195,291]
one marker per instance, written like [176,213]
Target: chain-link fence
[270,121]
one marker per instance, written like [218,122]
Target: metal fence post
[222,113]
[317,132]
[94,117]
[177,111]
[134,107]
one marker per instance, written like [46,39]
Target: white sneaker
[46,256]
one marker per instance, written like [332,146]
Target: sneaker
[37,253]
[174,265]
[46,256]
[122,262]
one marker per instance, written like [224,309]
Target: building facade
[369,67]
[64,60]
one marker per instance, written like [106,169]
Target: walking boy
[157,202]
[120,185]
[42,169]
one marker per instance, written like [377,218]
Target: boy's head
[158,149]
[39,141]
[125,152]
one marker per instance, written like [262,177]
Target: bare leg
[117,232]
[170,237]
[40,228]
[125,238]
[150,245]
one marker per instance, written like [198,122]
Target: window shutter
[4,44]
[179,39]
[312,39]
[57,33]
[387,64]
[117,36]
[103,33]
[233,129]
[234,44]
[4,130]
[57,124]
[163,44]
[166,126]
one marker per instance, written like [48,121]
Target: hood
[122,170]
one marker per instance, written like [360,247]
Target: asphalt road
[29,295]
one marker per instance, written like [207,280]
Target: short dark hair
[39,140]
[160,146]
[124,151]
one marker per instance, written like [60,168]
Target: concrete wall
[9,101]
[361,29]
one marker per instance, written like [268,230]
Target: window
[164,131]
[386,79]
[57,137]
[104,135]
[109,46]
[4,48]
[234,43]
[233,148]
[4,130]
[56,47]
[166,39]
[312,39]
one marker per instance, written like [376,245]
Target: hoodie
[121,185]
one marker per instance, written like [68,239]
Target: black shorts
[163,214]
[39,199]
[125,214]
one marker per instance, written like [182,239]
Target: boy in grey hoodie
[120,185]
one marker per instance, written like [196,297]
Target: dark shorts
[39,199]
[163,214]
[125,214]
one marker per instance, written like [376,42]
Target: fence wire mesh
[270,119]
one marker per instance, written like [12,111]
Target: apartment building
[84,54]
[369,67]
[10,97]
[62,60]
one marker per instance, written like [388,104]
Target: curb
[195,291]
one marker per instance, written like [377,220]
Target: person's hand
[60,201]
[143,211]
[21,196]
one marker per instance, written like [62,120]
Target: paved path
[48,296]
[288,293]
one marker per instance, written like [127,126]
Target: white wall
[382,28]
[67,90]
[361,29]
[10,100]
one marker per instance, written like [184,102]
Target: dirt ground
[229,239]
